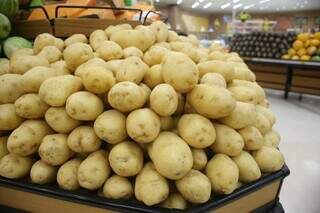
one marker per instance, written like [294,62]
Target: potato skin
[131,69]
[267,113]
[117,187]
[126,159]
[59,120]
[199,159]
[51,53]
[143,125]
[253,139]
[132,51]
[30,106]
[194,187]
[223,174]
[164,100]
[272,138]
[43,40]
[32,80]
[175,201]
[9,119]
[97,79]
[153,76]
[214,79]
[96,38]
[269,159]
[248,168]
[166,123]
[26,139]
[76,54]
[262,123]
[109,50]
[150,187]
[166,153]
[83,140]
[43,173]
[215,66]
[3,146]
[67,174]
[14,166]
[110,126]
[154,55]
[20,64]
[210,101]
[160,30]
[76,38]
[10,88]
[4,66]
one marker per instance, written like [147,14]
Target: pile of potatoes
[139,112]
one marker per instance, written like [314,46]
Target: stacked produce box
[135,113]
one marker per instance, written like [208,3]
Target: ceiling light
[157,0]
[263,1]
[207,5]
[248,6]
[235,1]
[196,4]
[201,1]
[237,6]
[179,1]
[225,5]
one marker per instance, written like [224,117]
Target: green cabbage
[13,43]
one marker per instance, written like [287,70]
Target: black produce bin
[257,197]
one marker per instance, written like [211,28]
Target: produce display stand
[258,197]
[287,75]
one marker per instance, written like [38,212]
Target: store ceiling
[259,6]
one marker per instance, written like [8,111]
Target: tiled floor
[299,126]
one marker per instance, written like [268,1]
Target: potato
[10,88]
[177,45]
[199,159]
[214,79]
[248,168]
[242,73]
[262,123]
[132,51]
[86,67]
[188,109]
[244,94]
[14,166]
[153,76]
[43,173]
[217,55]
[54,149]
[235,58]
[22,51]
[51,53]
[171,156]
[164,100]
[126,159]
[98,79]
[20,64]
[181,103]
[43,40]
[60,68]
[55,91]
[109,50]
[83,139]
[193,39]
[195,187]
[269,159]
[77,54]
[160,29]
[32,80]
[211,101]
[131,69]
[150,187]
[172,64]
[96,38]
[155,55]
[112,29]
[59,120]
[126,96]
[271,138]
[253,139]
[223,174]
[143,125]
[221,67]
[147,91]
[267,113]
[67,174]
[26,139]
[9,119]
[110,126]
[258,93]
[264,103]
[175,201]
[215,47]
[228,141]
[30,106]
[4,66]
[172,36]
[3,146]
[166,123]
[113,66]
[94,170]
[243,115]
[193,53]
[84,106]
[196,130]
[75,38]
[165,45]
[117,187]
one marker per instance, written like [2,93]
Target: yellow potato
[262,123]
[131,69]
[153,76]
[182,81]
[172,36]
[228,141]
[51,53]
[4,66]
[267,113]
[181,103]
[76,38]
[85,67]
[244,94]
[196,130]
[77,54]
[258,93]
[126,96]
[271,138]
[30,106]
[188,109]
[242,73]
[43,173]
[97,79]
[20,64]
[253,139]
[10,88]
[109,50]
[3,146]
[46,39]
[150,187]
[110,126]
[221,67]
[211,101]
[9,119]
[269,159]
[132,51]
[164,100]
[248,168]
[147,91]
[214,79]
[96,38]
[160,29]
[59,120]
[55,91]
[112,29]
[60,68]
[166,123]
[113,65]
[67,175]
[83,139]
[177,45]
[155,55]
[163,44]
[175,201]
[223,174]
[217,55]
[117,187]
[199,159]
[32,80]
[26,139]
[84,106]
[14,166]
[171,156]
[215,47]
[54,149]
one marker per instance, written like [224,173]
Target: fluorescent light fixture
[196,4]
[201,1]
[264,1]
[237,6]
[225,5]
[157,0]
[248,6]
[207,5]
[235,1]
[179,1]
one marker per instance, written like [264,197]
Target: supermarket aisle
[299,126]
